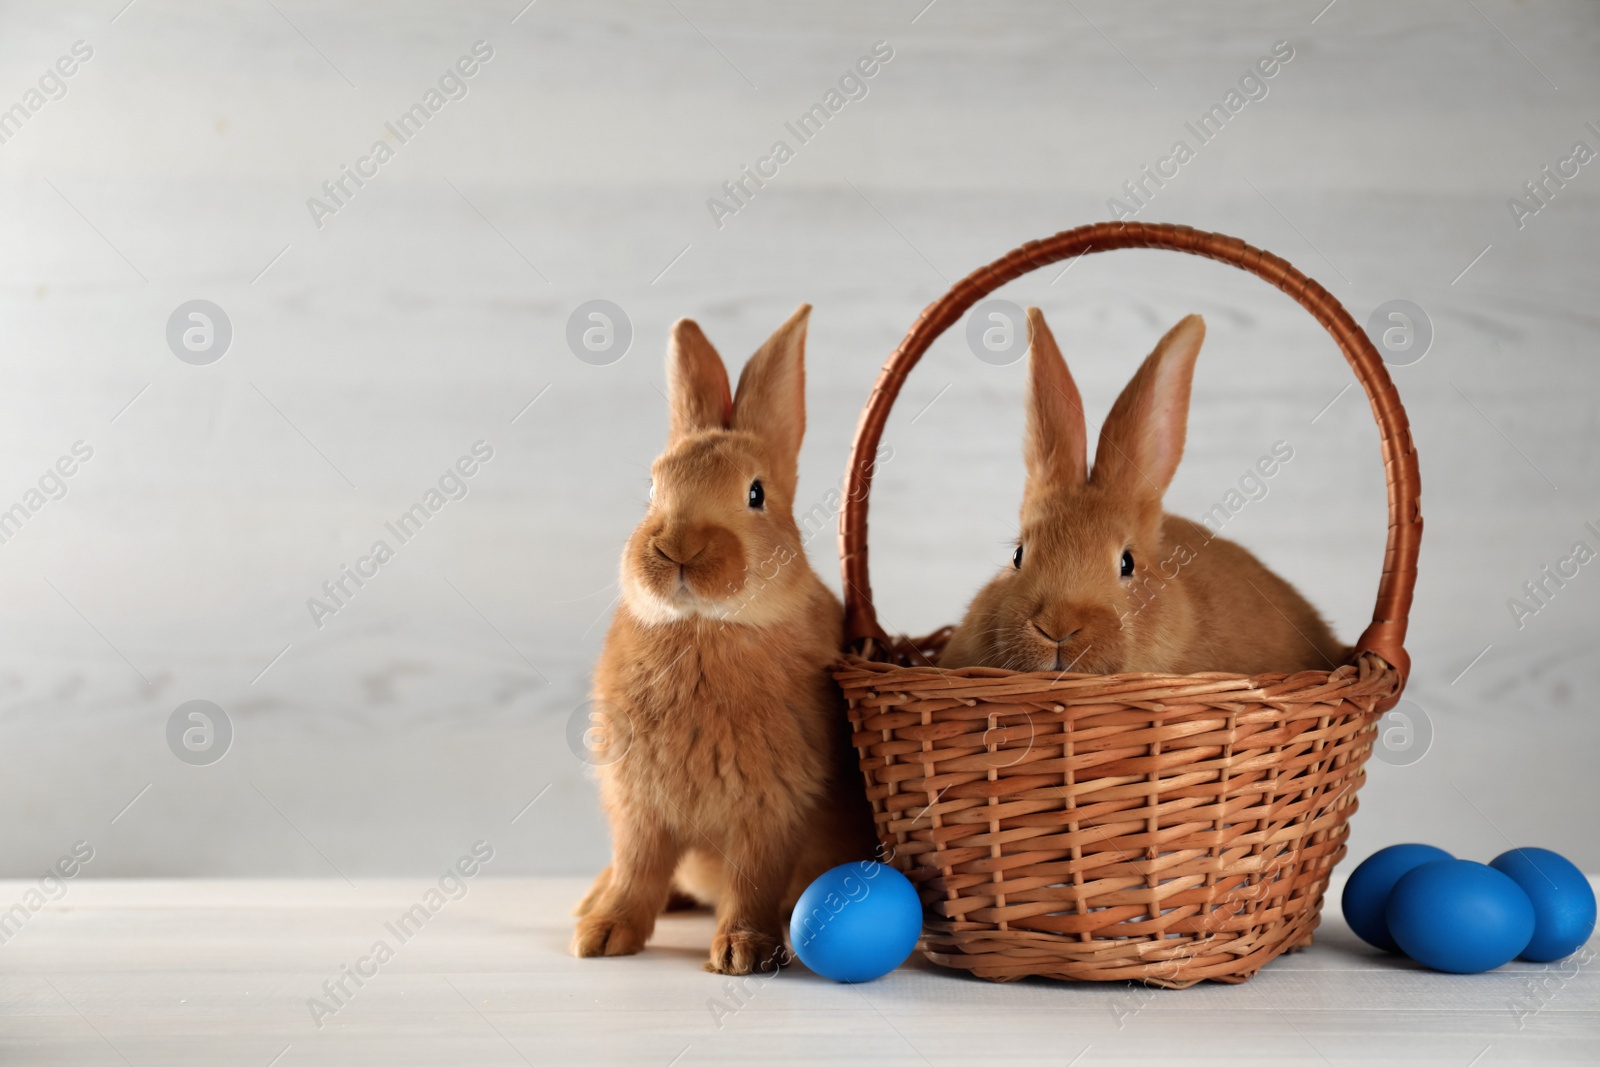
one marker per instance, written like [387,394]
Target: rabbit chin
[655,608]
[1074,659]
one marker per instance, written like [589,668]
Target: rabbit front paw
[746,952]
[606,935]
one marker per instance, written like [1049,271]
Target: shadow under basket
[1166,829]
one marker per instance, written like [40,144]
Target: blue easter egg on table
[856,922]
[1459,916]
[1366,894]
[1563,901]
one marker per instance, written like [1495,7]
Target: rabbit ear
[1057,445]
[1142,439]
[697,383]
[771,402]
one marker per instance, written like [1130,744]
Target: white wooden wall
[369,354]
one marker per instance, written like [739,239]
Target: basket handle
[1385,637]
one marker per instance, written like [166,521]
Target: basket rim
[1384,636]
[970,685]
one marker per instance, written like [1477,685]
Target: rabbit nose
[680,552]
[1063,639]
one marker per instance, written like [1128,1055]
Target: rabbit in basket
[729,780]
[1102,580]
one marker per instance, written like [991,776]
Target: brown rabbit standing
[731,780]
[1103,581]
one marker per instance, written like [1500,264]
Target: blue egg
[1563,901]
[1366,894]
[856,922]
[1459,916]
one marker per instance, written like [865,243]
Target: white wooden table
[220,972]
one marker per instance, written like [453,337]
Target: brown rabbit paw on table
[747,952]
[607,935]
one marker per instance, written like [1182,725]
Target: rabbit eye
[758,495]
[1016,559]
[1127,564]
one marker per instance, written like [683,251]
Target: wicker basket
[1166,829]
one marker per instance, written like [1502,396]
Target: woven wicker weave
[1162,828]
